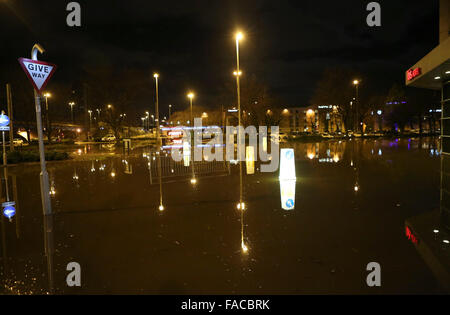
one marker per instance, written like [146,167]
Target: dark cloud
[288,43]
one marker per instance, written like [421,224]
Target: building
[433,72]
[311,119]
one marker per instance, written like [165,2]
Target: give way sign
[39,72]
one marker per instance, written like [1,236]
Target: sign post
[39,73]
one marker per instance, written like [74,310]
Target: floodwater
[351,201]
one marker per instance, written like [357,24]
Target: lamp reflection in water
[250,160]
[49,250]
[287,179]
[186,154]
[161,207]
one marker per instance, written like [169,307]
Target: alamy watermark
[213,150]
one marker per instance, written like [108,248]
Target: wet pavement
[351,201]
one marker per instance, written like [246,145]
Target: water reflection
[108,213]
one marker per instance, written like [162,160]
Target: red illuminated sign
[411,235]
[413,73]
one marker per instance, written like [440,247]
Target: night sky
[287,44]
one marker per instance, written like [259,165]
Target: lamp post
[47,120]
[241,205]
[71,104]
[237,73]
[356,84]
[170,111]
[193,179]
[161,207]
[90,118]
[191,96]
[156,76]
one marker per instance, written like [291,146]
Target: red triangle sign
[39,72]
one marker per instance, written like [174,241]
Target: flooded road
[351,201]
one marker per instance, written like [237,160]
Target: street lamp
[356,84]
[237,73]
[161,207]
[90,118]
[193,180]
[191,96]
[241,205]
[170,111]
[71,104]
[156,76]
[47,96]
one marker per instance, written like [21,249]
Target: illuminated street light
[239,36]
[47,95]
[356,124]
[90,120]
[71,104]
[193,180]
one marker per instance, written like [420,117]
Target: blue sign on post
[4,122]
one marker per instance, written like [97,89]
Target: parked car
[109,138]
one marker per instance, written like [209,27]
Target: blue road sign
[4,120]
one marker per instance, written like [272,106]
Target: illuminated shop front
[433,72]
